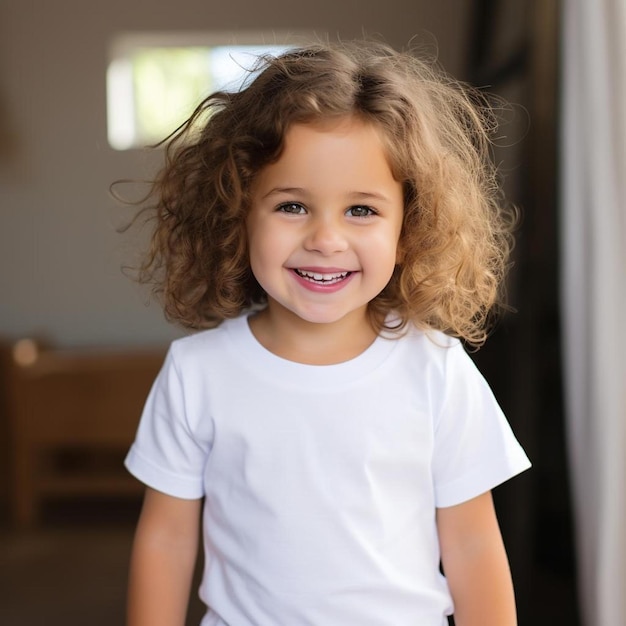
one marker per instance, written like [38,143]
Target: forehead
[345,149]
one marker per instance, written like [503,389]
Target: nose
[325,236]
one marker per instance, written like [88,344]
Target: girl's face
[324,223]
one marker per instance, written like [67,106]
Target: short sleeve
[474,447]
[168,454]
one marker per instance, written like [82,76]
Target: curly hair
[456,235]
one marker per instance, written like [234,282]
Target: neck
[310,343]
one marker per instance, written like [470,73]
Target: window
[155,81]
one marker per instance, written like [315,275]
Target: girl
[334,228]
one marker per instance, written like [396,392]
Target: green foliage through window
[151,90]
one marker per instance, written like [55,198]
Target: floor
[72,570]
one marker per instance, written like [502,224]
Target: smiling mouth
[322,279]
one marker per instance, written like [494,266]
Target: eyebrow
[285,191]
[356,195]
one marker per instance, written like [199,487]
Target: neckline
[291,373]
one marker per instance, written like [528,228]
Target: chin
[325,317]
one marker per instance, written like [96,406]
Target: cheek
[263,248]
[400,241]
[385,247]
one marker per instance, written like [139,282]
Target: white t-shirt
[321,482]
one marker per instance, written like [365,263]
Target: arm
[475,564]
[162,561]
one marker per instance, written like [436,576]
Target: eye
[292,208]
[360,211]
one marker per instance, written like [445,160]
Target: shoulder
[431,348]
[437,361]
[197,367]
[204,343]
[194,357]
[434,341]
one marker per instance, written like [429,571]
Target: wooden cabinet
[66,412]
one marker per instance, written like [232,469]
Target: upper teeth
[318,276]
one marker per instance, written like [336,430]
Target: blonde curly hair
[456,235]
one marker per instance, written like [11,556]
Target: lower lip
[319,287]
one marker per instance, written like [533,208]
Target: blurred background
[80,343]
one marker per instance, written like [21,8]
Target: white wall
[60,256]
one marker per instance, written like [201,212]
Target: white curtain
[593,218]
